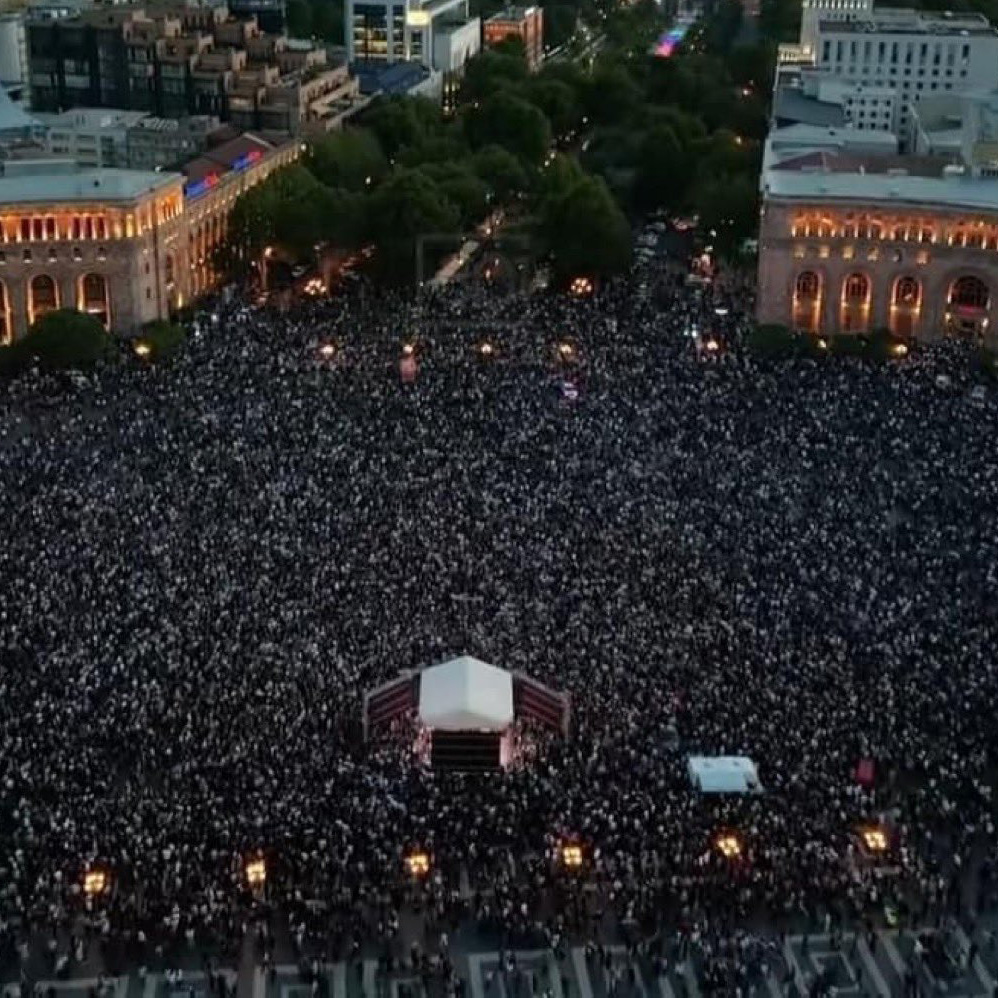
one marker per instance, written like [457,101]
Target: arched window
[807,302]
[808,285]
[93,298]
[855,309]
[168,268]
[906,306]
[906,292]
[856,288]
[967,307]
[43,296]
[970,293]
[6,325]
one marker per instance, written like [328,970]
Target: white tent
[724,774]
[466,694]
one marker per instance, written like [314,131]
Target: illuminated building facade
[522,22]
[126,246]
[854,250]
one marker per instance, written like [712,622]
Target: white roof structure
[466,694]
[724,774]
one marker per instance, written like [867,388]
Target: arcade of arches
[966,304]
[43,295]
[920,270]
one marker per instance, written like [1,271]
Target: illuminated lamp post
[729,845]
[256,874]
[418,864]
[95,882]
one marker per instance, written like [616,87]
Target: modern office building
[870,53]
[13,49]
[127,246]
[177,59]
[386,32]
[809,96]
[526,23]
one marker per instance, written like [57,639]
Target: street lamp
[874,838]
[729,846]
[256,872]
[94,882]
[418,863]
[327,350]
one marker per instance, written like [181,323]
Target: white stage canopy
[466,694]
[724,774]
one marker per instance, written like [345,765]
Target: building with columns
[127,246]
[851,244]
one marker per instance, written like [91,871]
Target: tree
[462,188]
[164,339]
[500,170]
[395,123]
[773,341]
[351,159]
[491,71]
[409,204]
[729,211]
[614,96]
[663,171]
[559,103]
[585,231]
[66,339]
[512,123]
[560,22]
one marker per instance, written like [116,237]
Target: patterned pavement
[847,967]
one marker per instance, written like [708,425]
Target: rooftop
[911,22]
[958,190]
[511,13]
[26,181]
[91,118]
[234,155]
[791,105]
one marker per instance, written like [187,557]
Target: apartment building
[175,60]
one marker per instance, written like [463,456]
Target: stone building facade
[920,270]
[126,246]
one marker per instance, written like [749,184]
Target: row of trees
[576,149]
[409,171]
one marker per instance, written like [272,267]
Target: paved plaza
[884,965]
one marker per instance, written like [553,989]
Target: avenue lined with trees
[575,152]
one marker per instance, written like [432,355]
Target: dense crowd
[206,564]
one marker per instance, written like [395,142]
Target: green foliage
[398,122]
[560,23]
[351,160]
[512,123]
[773,341]
[985,363]
[409,204]
[64,339]
[500,170]
[490,72]
[728,207]
[559,103]
[164,339]
[848,345]
[462,188]
[663,175]
[585,231]
[614,95]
